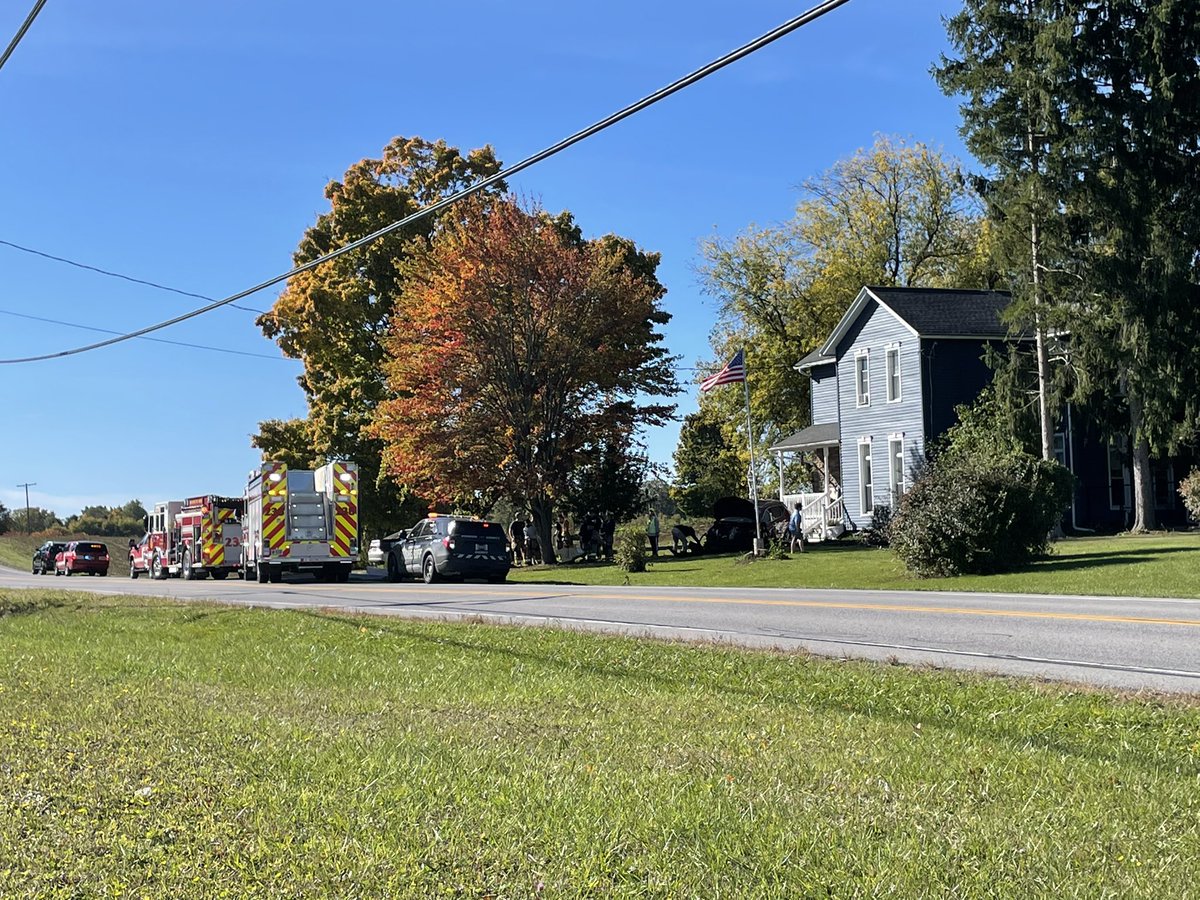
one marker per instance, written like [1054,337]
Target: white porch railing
[822,515]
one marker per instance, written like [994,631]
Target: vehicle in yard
[192,538]
[378,551]
[82,556]
[301,520]
[733,528]
[43,556]
[450,547]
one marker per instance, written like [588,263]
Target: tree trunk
[1043,356]
[543,522]
[1144,517]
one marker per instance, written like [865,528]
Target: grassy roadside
[16,550]
[155,749]
[1160,565]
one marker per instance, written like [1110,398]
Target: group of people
[595,537]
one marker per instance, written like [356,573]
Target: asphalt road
[1134,643]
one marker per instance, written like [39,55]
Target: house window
[896,464]
[892,364]
[866,488]
[1116,476]
[1060,449]
[862,377]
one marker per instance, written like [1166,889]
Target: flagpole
[753,468]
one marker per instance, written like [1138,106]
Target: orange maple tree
[516,344]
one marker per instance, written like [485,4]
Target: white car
[378,550]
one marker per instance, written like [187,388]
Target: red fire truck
[191,538]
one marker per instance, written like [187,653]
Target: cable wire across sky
[12,45]
[649,100]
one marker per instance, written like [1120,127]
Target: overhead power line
[12,45]
[9,312]
[129,278]
[662,93]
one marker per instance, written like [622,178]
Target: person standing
[516,534]
[532,544]
[608,528]
[796,530]
[652,531]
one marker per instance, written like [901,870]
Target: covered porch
[810,473]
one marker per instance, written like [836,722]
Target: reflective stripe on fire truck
[214,542]
[345,509]
[274,505]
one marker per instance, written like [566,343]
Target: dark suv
[450,547]
[43,557]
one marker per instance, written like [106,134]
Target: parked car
[82,556]
[43,557]
[450,547]
[378,550]
[733,530]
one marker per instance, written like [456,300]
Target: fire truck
[191,538]
[301,520]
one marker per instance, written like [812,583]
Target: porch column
[779,456]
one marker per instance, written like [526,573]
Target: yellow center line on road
[879,607]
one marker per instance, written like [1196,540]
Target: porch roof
[811,438]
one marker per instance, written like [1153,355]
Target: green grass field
[16,550]
[153,749]
[1160,565]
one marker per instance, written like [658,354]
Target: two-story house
[887,381]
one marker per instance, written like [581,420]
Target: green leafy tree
[608,478]
[1087,115]
[517,346]
[335,318]
[707,466]
[894,214]
[5,519]
[35,519]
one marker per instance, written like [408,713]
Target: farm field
[162,749]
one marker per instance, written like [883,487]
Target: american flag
[735,370]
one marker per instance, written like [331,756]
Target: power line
[12,45]
[9,312]
[129,278]
[687,80]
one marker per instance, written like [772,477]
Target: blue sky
[190,144]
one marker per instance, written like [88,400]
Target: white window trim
[862,398]
[862,482]
[887,357]
[894,439]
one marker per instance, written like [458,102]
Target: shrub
[880,532]
[629,548]
[1189,490]
[980,516]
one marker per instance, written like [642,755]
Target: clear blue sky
[190,144]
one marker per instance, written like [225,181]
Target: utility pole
[27,485]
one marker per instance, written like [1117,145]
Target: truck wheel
[156,568]
[133,572]
[263,574]
[276,575]
[219,574]
[343,574]
[185,567]
[56,572]
[67,570]
[394,571]
[429,572]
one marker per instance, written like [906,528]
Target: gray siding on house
[875,330]
[824,394]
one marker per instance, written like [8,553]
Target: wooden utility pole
[27,485]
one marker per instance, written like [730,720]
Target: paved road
[1126,642]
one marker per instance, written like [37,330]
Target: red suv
[82,556]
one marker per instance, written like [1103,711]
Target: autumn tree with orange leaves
[516,345]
